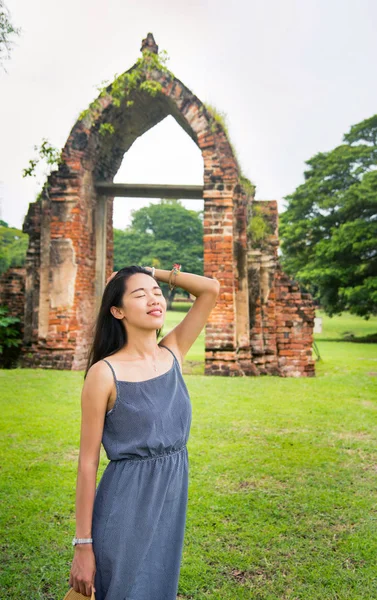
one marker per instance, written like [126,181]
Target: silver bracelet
[81,541]
[152,270]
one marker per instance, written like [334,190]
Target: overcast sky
[291,76]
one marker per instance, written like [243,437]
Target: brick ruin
[262,323]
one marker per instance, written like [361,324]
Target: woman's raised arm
[206,291]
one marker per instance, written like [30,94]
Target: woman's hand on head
[111,276]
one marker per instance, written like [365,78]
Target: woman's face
[144,305]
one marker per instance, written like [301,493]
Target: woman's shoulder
[99,370]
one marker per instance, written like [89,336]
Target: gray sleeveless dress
[139,511]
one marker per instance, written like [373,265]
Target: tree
[130,247]
[160,235]
[7,32]
[13,247]
[329,229]
[169,220]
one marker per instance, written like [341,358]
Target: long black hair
[109,333]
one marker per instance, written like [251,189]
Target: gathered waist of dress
[161,455]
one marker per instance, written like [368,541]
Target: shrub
[10,338]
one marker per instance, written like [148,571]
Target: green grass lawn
[283,478]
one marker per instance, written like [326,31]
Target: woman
[130,530]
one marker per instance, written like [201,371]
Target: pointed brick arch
[65,285]
[261,323]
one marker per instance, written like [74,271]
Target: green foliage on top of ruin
[138,78]
[248,186]
[220,118]
[259,227]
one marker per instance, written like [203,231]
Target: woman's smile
[156,312]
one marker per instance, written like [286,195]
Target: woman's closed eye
[142,296]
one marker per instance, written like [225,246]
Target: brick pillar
[262,260]
[295,312]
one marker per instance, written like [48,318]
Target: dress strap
[175,358]
[111,367]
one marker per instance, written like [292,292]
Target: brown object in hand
[73,595]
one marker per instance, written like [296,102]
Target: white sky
[291,75]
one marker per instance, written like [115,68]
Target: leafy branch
[7,31]
[46,152]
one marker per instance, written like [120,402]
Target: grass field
[283,478]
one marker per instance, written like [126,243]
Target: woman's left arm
[206,290]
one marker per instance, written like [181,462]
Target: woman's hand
[83,570]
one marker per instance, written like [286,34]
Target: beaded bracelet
[173,273]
